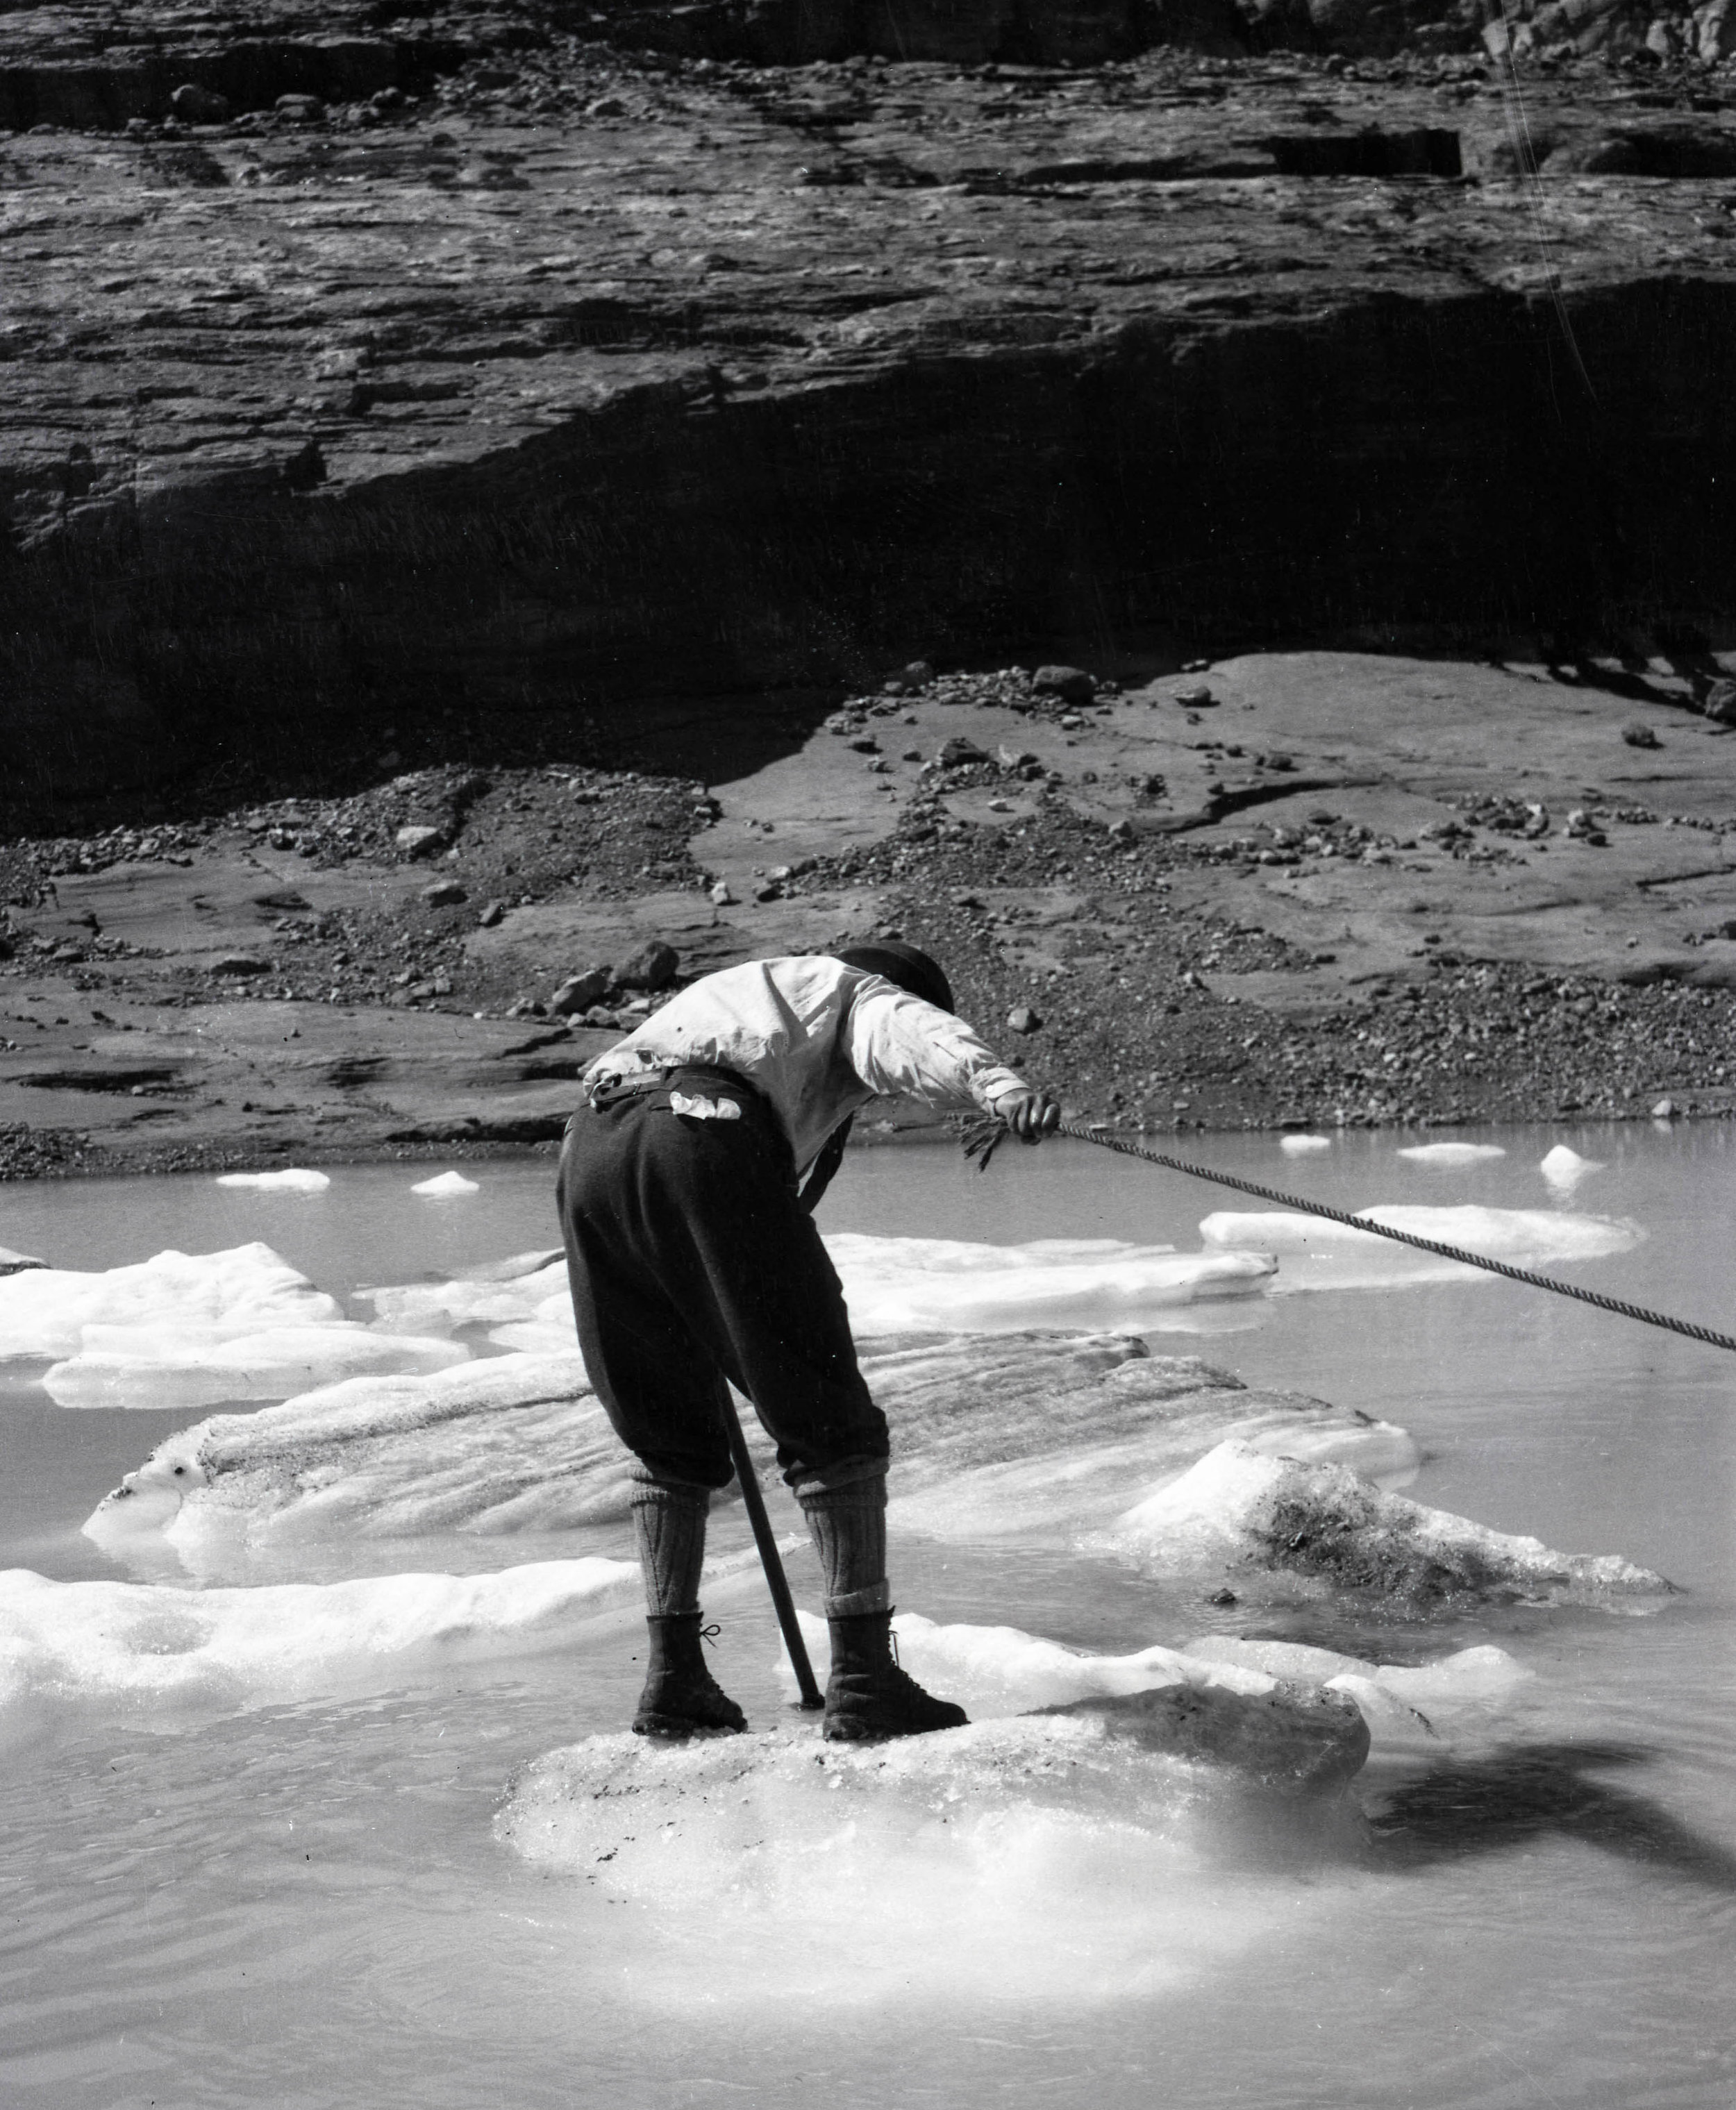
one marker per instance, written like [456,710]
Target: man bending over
[687,1184]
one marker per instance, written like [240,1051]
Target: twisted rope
[980,1138]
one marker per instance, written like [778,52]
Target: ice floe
[294,1180]
[511,1443]
[996,1671]
[446,1183]
[1303,1146]
[1246,1515]
[1316,1254]
[1448,1154]
[896,1285]
[1564,1169]
[130,1640]
[242,1290]
[1036,1437]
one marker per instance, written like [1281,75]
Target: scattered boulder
[1640,736]
[15,1263]
[1197,699]
[419,838]
[238,963]
[1664,1110]
[579,992]
[1023,1019]
[194,105]
[720,892]
[653,967]
[1072,685]
[493,911]
[301,109]
[957,752]
[444,893]
[1720,702]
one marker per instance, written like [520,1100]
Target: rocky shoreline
[1173,927]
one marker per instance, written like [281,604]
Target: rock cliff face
[472,364]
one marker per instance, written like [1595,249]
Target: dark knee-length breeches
[691,1263]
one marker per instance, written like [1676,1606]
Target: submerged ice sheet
[1245,1514]
[902,1285]
[130,1640]
[294,1180]
[894,1285]
[1316,1254]
[996,1671]
[1035,1436]
[1450,1154]
[512,1443]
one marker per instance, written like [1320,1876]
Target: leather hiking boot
[681,1697]
[868,1697]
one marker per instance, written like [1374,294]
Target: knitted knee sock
[669,1521]
[848,1525]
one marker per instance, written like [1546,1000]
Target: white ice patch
[1302,1146]
[446,1183]
[906,1285]
[513,1444]
[1317,1254]
[1564,1169]
[130,1640]
[295,1179]
[1317,1528]
[538,1300]
[1448,1154]
[993,1671]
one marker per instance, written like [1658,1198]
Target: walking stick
[776,1580]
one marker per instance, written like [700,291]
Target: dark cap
[910,970]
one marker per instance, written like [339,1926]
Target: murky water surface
[308,1906]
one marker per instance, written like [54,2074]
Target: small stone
[653,967]
[607,106]
[444,893]
[1199,699]
[720,894]
[1640,736]
[194,105]
[1072,685]
[913,754]
[492,913]
[770,889]
[238,963]
[415,839]
[1121,830]
[1663,1110]
[917,675]
[1023,1019]
[1000,805]
[1720,702]
[866,745]
[301,109]
[579,992]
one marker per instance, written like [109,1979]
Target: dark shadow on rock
[1526,1794]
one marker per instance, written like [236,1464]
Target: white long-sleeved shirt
[819,1040]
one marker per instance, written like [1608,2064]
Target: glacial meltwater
[314,1792]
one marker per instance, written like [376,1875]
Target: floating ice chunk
[446,1183]
[1244,1512]
[1301,1146]
[191,1367]
[1564,1169]
[15,1263]
[513,1444]
[1451,1153]
[293,1180]
[1317,1254]
[903,1285]
[245,1290]
[108,1640]
[1039,1437]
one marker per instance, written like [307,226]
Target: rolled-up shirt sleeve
[902,1048]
